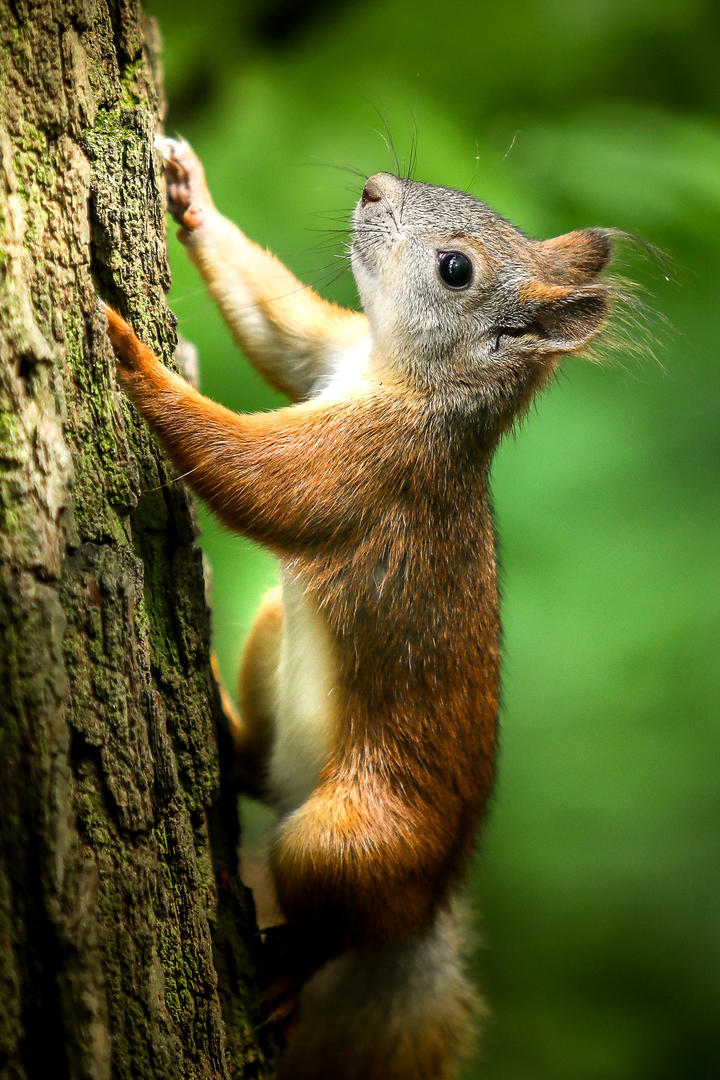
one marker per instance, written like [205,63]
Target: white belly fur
[346,371]
[305,706]
[305,714]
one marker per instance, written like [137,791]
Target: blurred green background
[597,888]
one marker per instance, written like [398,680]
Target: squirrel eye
[455,269]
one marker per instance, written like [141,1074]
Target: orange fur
[256,693]
[294,318]
[372,489]
[350,492]
[270,313]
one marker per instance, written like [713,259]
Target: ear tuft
[567,318]
[576,258]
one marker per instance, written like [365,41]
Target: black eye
[455,269]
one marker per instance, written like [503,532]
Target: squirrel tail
[403,1013]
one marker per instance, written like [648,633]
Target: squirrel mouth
[357,254]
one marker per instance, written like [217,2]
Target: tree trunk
[127,945]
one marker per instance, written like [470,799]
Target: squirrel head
[463,301]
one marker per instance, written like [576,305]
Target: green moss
[94,437]
[179,996]
[17,515]
[90,807]
[165,657]
[109,122]
[142,622]
[31,139]
[129,97]
[35,165]
[8,430]
[31,158]
[14,521]
[11,37]
[119,121]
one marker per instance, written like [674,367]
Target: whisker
[509,150]
[367,227]
[331,215]
[412,158]
[384,139]
[387,203]
[192,295]
[341,168]
[476,161]
[336,277]
[172,480]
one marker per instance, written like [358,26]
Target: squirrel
[369,684]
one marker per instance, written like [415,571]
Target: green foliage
[599,869]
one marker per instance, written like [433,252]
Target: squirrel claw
[283,998]
[187,193]
[282,1013]
[129,352]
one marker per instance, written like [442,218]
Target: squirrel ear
[576,257]
[565,318]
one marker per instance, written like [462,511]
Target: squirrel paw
[281,1000]
[121,334]
[133,358]
[187,193]
[283,974]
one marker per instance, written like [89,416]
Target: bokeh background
[597,886]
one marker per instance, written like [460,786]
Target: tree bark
[127,945]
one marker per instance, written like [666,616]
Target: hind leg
[253,727]
[253,734]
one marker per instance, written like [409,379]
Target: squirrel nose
[371,192]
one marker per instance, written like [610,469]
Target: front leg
[288,332]
[303,478]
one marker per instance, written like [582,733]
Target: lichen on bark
[119,954]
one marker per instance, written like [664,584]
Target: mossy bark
[126,943]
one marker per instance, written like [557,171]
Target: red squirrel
[369,684]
